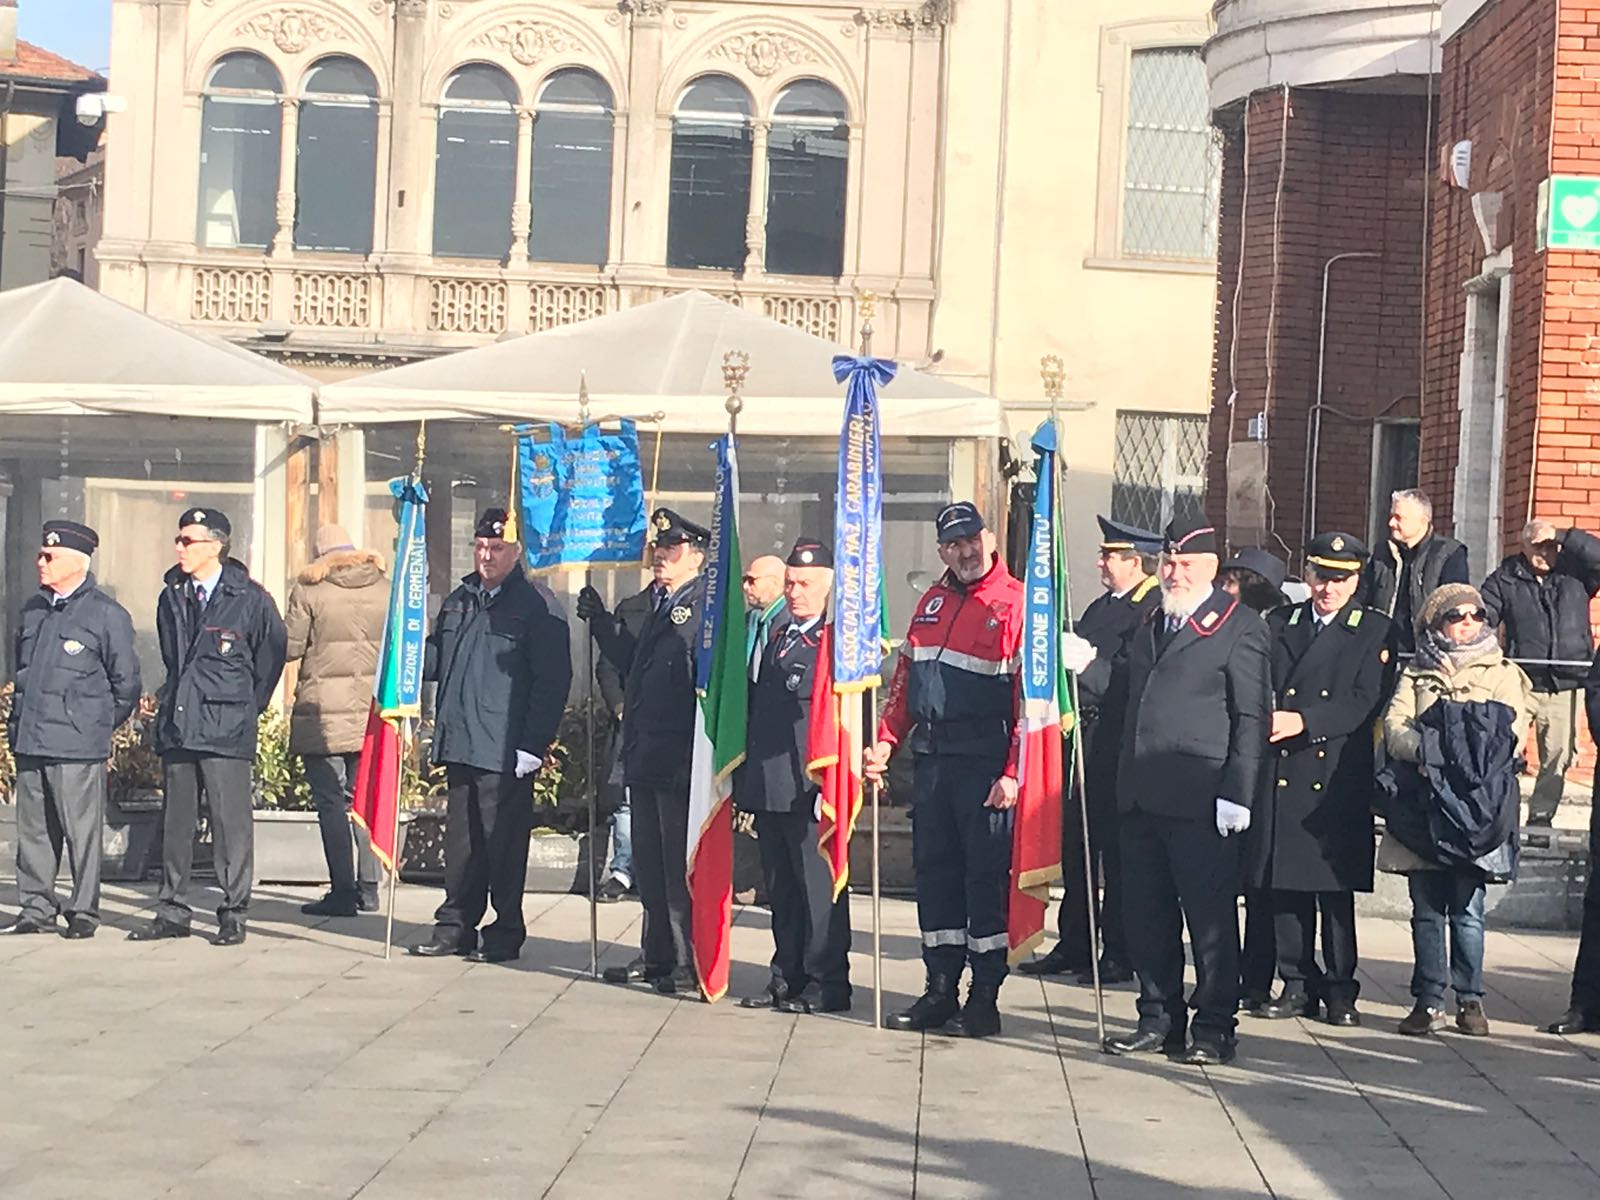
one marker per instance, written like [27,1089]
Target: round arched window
[475,179]
[808,167]
[337,157]
[711,153]
[240,131]
[571,188]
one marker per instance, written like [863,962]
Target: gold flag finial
[1054,373]
[735,369]
[583,398]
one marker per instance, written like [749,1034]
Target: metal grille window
[1172,175]
[1160,469]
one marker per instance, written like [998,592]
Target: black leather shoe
[934,1008]
[26,925]
[157,930]
[813,1000]
[980,1015]
[1146,1039]
[680,982]
[611,891]
[368,902]
[767,999]
[480,955]
[1343,1016]
[79,928]
[634,972]
[334,904]
[1297,1005]
[1210,1052]
[1111,971]
[229,933]
[437,950]
[1575,1020]
[1251,1006]
[1057,962]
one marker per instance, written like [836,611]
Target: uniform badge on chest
[792,683]
[72,646]
[225,645]
[680,614]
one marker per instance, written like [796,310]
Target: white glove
[1076,652]
[527,764]
[816,808]
[1231,817]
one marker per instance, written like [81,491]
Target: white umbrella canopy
[66,350]
[661,357]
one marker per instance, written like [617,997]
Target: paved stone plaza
[302,1065]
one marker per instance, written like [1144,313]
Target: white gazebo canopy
[661,357]
[66,350]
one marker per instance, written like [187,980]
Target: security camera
[92,106]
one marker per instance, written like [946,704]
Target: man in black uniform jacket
[1310,839]
[1098,649]
[77,679]
[503,666]
[629,618]
[657,730]
[810,928]
[1194,744]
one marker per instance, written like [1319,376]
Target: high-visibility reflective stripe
[984,945]
[966,662]
[945,937]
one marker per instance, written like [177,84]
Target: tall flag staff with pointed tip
[721,716]
[397,689]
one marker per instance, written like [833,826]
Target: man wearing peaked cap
[223,645]
[1199,698]
[810,928]
[1309,846]
[503,665]
[77,679]
[1097,648]
[656,663]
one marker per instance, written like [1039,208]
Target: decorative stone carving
[292,30]
[763,52]
[929,15]
[527,41]
[411,8]
[649,10]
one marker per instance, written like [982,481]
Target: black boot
[980,1015]
[933,1008]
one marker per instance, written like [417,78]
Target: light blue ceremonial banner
[722,560]
[1041,586]
[398,687]
[581,498]
[858,529]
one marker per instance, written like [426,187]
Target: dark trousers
[1258,961]
[1295,927]
[226,784]
[1176,870]
[1586,972]
[961,853]
[488,817]
[660,859]
[344,844]
[59,804]
[1072,921]
[810,929]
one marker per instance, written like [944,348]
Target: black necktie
[58,603]
[791,635]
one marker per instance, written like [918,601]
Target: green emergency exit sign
[1569,212]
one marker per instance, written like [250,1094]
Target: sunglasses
[185,541]
[46,556]
[1457,615]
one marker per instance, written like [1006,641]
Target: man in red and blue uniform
[953,703]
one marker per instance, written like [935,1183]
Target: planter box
[131,839]
[289,847]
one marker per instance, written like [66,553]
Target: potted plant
[134,802]
[288,837]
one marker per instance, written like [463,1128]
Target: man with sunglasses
[223,645]
[1539,598]
[77,679]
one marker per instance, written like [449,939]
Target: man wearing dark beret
[810,927]
[1194,745]
[656,662]
[77,679]
[223,645]
[503,666]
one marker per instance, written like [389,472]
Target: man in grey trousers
[77,679]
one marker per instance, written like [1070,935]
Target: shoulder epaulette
[1143,589]
[1294,617]
[1354,619]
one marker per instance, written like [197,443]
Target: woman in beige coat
[1458,658]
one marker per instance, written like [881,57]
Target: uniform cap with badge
[492,524]
[210,518]
[69,535]
[668,528]
[809,552]
[1336,555]
[1189,535]
[1119,537]
[959,520]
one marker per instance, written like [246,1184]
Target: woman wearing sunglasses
[1458,661]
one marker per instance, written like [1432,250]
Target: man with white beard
[1193,751]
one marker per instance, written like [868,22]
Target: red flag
[1036,833]
[833,760]
[377,791]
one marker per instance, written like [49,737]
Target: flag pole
[1053,371]
[403,748]
[869,307]
[591,785]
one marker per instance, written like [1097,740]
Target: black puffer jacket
[1548,616]
[221,668]
[1399,579]
[76,673]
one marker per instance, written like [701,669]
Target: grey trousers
[59,804]
[226,783]
[345,847]
[1555,730]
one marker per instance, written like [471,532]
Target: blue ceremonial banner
[722,559]
[1041,620]
[398,690]
[581,498]
[858,529]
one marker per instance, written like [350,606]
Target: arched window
[475,176]
[572,170]
[240,130]
[808,162]
[337,157]
[711,148]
